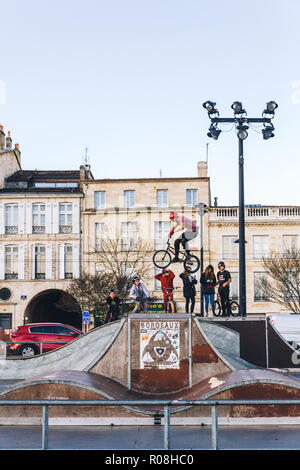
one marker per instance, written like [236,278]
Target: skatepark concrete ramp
[177,356]
[81,354]
[261,343]
[153,353]
[78,385]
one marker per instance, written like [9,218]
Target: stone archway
[54,305]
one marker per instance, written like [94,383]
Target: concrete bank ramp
[79,385]
[261,343]
[80,354]
[225,343]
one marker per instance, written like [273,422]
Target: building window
[289,243]
[229,248]
[191,197]
[161,233]
[38,218]
[99,199]
[68,260]
[11,219]
[65,218]
[129,199]
[127,269]
[162,197]
[99,235]
[260,246]
[99,268]
[234,286]
[40,262]
[129,235]
[11,262]
[259,296]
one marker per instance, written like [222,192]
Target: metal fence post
[166,427]
[45,423]
[267,342]
[214,427]
[129,356]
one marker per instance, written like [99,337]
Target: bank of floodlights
[241,120]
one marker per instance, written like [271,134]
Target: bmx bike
[169,292]
[162,259]
[233,307]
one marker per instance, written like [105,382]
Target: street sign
[85,318]
[202,208]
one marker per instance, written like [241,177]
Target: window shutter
[2,262]
[21,221]
[33,261]
[28,218]
[48,218]
[48,262]
[61,261]
[2,223]
[76,217]
[55,216]
[21,262]
[75,260]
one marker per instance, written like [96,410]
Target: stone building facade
[132,208]
[53,222]
[40,236]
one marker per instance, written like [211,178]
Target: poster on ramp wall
[159,345]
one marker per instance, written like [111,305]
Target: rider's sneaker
[175,260]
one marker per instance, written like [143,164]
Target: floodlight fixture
[214,132]
[242,132]
[271,106]
[237,107]
[267,131]
[210,107]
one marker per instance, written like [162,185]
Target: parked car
[27,339]
[288,325]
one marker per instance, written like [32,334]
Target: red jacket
[166,281]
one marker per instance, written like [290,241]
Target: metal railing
[166,404]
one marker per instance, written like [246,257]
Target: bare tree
[90,290]
[282,283]
[122,259]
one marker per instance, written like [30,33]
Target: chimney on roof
[202,169]
[17,152]
[8,141]
[82,172]
[2,138]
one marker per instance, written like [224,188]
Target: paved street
[149,437]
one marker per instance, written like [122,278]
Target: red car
[38,338]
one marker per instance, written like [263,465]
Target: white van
[288,325]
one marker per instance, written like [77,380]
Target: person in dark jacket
[189,290]
[208,282]
[113,311]
[224,279]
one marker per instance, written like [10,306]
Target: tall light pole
[241,122]
[202,209]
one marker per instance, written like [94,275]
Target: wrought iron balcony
[11,229]
[65,229]
[38,229]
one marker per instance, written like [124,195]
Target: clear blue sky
[127,78]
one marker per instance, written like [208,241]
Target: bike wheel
[235,308]
[162,259]
[192,263]
[216,308]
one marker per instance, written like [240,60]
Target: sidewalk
[148,437]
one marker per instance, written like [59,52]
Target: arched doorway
[54,305]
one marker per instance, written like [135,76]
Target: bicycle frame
[171,249]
